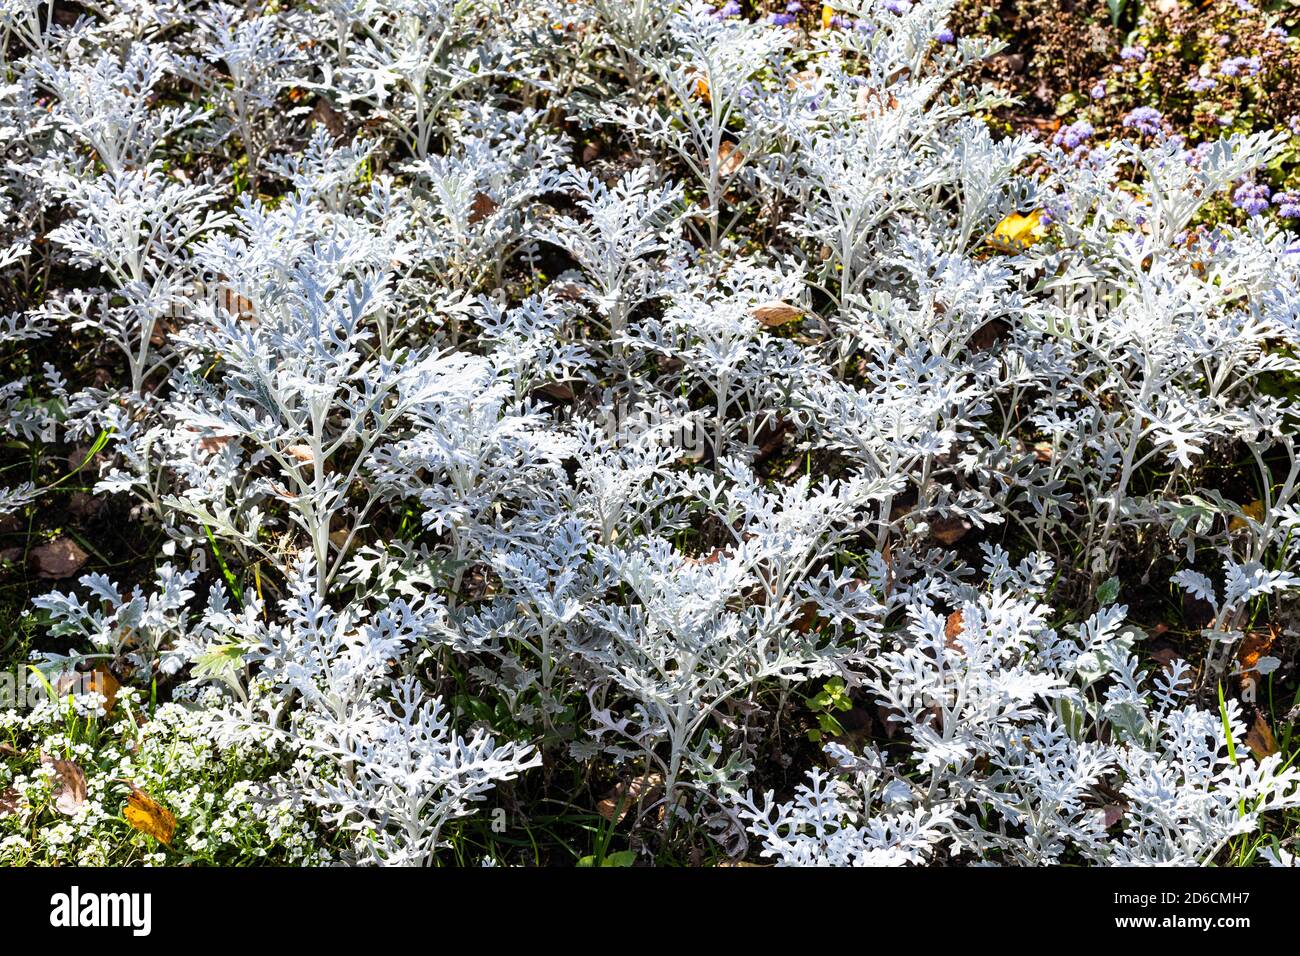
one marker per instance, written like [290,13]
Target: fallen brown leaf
[483,206]
[625,795]
[952,630]
[215,443]
[773,314]
[1255,645]
[11,801]
[949,530]
[729,158]
[70,785]
[1260,738]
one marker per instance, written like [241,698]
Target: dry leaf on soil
[1260,738]
[484,206]
[69,785]
[952,630]
[729,158]
[625,796]
[1255,645]
[772,314]
[949,530]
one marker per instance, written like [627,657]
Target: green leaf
[1108,592]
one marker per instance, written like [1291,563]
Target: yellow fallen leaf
[1016,233]
[772,314]
[827,16]
[301,452]
[1253,510]
[147,815]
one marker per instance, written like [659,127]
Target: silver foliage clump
[437,402]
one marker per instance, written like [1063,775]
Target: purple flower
[781,19]
[864,26]
[1251,198]
[1074,136]
[1133,54]
[1144,119]
[730,9]
[794,6]
[1199,84]
[1240,66]
[1245,6]
[898,7]
[1098,91]
[945,36]
[1288,205]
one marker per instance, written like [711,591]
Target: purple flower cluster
[945,36]
[1074,136]
[730,9]
[1098,91]
[781,19]
[1288,204]
[1240,66]
[1144,119]
[898,7]
[1133,54]
[1251,198]
[1199,84]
